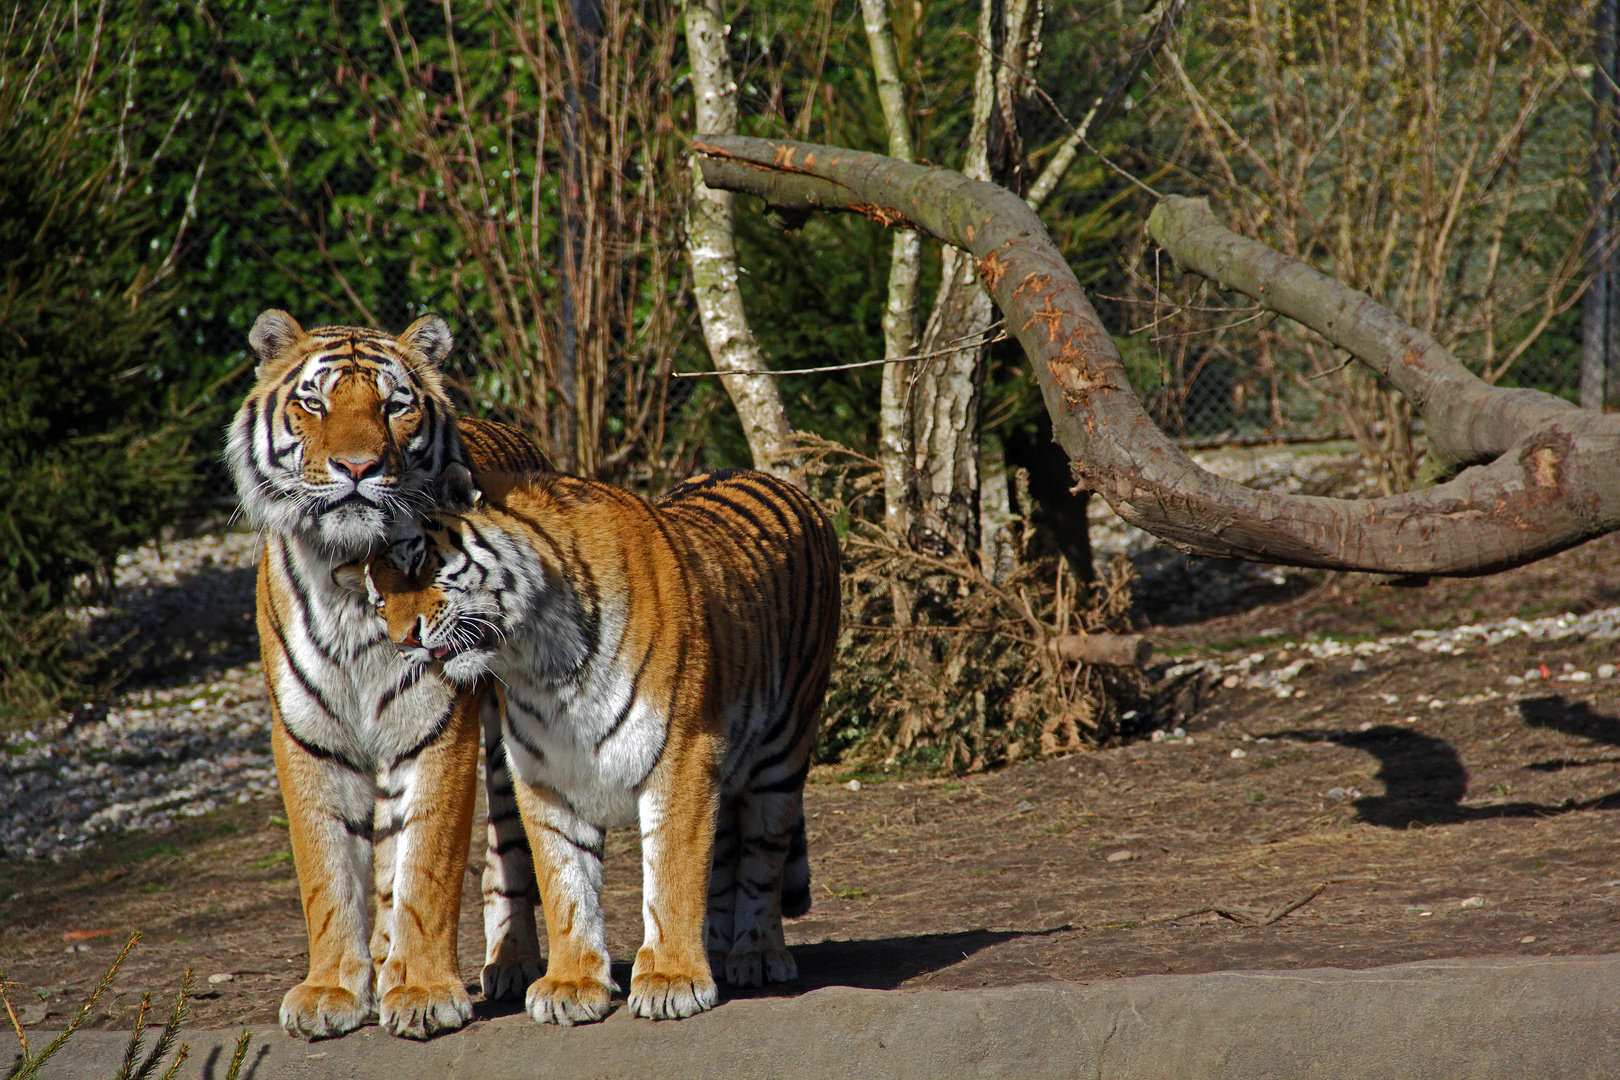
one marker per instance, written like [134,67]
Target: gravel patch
[157,753]
[1274,671]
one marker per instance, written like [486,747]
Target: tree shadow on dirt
[170,634]
[1425,781]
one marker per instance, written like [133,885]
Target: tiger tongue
[441,652]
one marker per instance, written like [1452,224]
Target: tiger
[659,664]
[346,431]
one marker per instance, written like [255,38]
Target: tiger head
[439,587]
[344,430]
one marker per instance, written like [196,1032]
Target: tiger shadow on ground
[1425,781]
[877,964]
[881,963]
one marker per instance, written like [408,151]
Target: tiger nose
[361,469]
[413,636]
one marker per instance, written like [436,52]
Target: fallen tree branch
[1552,483]
[1117,650]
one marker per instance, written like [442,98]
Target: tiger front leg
[329,811]
[423,826]
[671,979]
[511,946]
[578,986]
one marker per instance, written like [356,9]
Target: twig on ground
[1243,915]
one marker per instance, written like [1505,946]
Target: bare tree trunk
[711,247]
[895,451]
[949,386]
[1549,483]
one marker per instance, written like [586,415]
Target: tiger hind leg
[717,922]
[771,828]
[511,945]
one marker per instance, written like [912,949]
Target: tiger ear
[273,333]
[430,335]
[351,576]
[457,491]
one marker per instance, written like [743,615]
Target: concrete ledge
[1477,1019]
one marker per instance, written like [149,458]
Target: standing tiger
[660,664]
[345,432]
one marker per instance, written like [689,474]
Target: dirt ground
[1400,831]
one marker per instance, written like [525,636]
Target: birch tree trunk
[895,450]
[949,386]
[711,247]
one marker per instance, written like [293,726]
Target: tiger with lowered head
[660,665]
[346,432]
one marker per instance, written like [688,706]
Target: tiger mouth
[353,498]
[482,641]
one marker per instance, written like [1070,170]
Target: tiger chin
[346,431]
[661,665]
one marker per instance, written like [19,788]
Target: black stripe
[432,736]
[788,784]
[510,894]
[299,588]
[759,843]
[503,818]
[412,677]
[393,828]
[362,829]
[512,732]
[514,844]
[594,851]
[798,846]
[316,750]
[795,900]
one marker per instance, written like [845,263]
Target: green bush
[91,450]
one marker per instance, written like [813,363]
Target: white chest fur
[342,685]
[592,738]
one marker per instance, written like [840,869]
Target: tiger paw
[322,1012]
[421,1012]
[756,967]
[507,980]
[569,1001]
[659,996]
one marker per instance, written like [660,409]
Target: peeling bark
[900,309]
[948,387]
[711,247]
[1550,482]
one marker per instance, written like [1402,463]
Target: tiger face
[344,430]
[436,598]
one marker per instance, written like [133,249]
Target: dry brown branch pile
[977,675]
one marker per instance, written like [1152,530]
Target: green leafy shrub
[92,451]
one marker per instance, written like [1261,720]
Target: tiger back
[660,664]
[346,431]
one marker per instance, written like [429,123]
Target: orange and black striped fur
[659,664]
[346,432]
